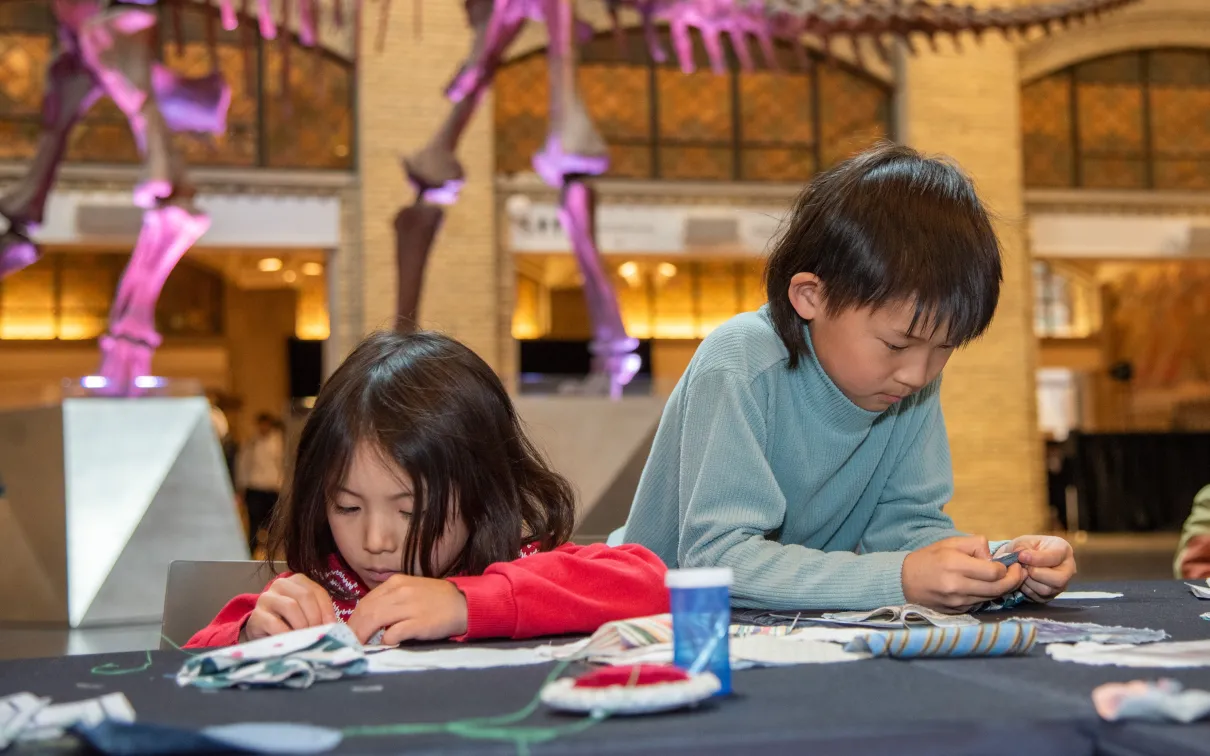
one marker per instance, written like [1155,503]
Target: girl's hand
[1049,565]
[410,608]
[291,603]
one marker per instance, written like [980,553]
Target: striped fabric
[641,632]
[1011,638]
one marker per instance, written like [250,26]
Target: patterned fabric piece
[1009,638]
[908,615]
[1161,701]
[1053,631]
[347,589]
[293,660]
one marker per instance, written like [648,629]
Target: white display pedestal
[101,495]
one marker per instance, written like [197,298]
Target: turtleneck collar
[836,408]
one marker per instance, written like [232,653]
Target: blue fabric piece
[1010,638]
[143,739]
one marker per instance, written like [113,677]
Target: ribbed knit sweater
[812,501]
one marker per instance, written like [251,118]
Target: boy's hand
[956,575]
[290,604]
[1049,565]
[410,608]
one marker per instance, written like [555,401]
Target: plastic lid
[712,577]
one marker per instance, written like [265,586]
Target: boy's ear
[806,295]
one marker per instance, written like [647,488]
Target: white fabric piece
[1085,595]
[464,657]
[1185,654]
[1201,591]
[775,651]
[25,717]
[16,712]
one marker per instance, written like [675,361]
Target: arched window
[1134,120]
[662,124]
[311,127]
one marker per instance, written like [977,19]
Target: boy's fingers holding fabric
[974,546]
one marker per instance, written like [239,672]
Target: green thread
[110,669]
[501,727]
[491,728]
[113,669]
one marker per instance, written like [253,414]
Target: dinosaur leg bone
[434,171]
[70,91]
[167,234]
[574,151]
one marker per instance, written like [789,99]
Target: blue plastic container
[701,620]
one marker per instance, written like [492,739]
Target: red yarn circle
[631,676]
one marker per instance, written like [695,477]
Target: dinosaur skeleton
[106,47]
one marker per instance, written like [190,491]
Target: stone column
[966,105]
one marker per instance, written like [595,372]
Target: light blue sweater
[812,501]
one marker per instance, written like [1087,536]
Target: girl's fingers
[305,598]
[266,623]
[286,608]
[402,631]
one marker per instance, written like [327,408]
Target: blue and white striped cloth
[1010,638]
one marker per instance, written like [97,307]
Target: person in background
[1193,552]
[259,474]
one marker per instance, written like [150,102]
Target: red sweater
[572,589]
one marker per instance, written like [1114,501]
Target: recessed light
[269,265]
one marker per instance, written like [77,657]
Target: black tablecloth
[1031,706]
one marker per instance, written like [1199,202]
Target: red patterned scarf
[341,580]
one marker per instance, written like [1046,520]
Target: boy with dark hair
[804,447]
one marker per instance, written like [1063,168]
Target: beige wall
[259,323]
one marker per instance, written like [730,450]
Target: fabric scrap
[1086,595]
[767,651]
[1201,591]
[1161,701]
[1167,655]
[25,717]
[1054,631]
[131,739]
[1008,638]
[908,615]
[293,660]
[462,657]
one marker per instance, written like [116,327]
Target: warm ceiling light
[667,270]
[269,265]
[312,269]
[289,276]
[628,269]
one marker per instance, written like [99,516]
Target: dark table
[1030,706]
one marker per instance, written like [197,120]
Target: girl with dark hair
[419,508]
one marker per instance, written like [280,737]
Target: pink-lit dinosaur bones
[106,48]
